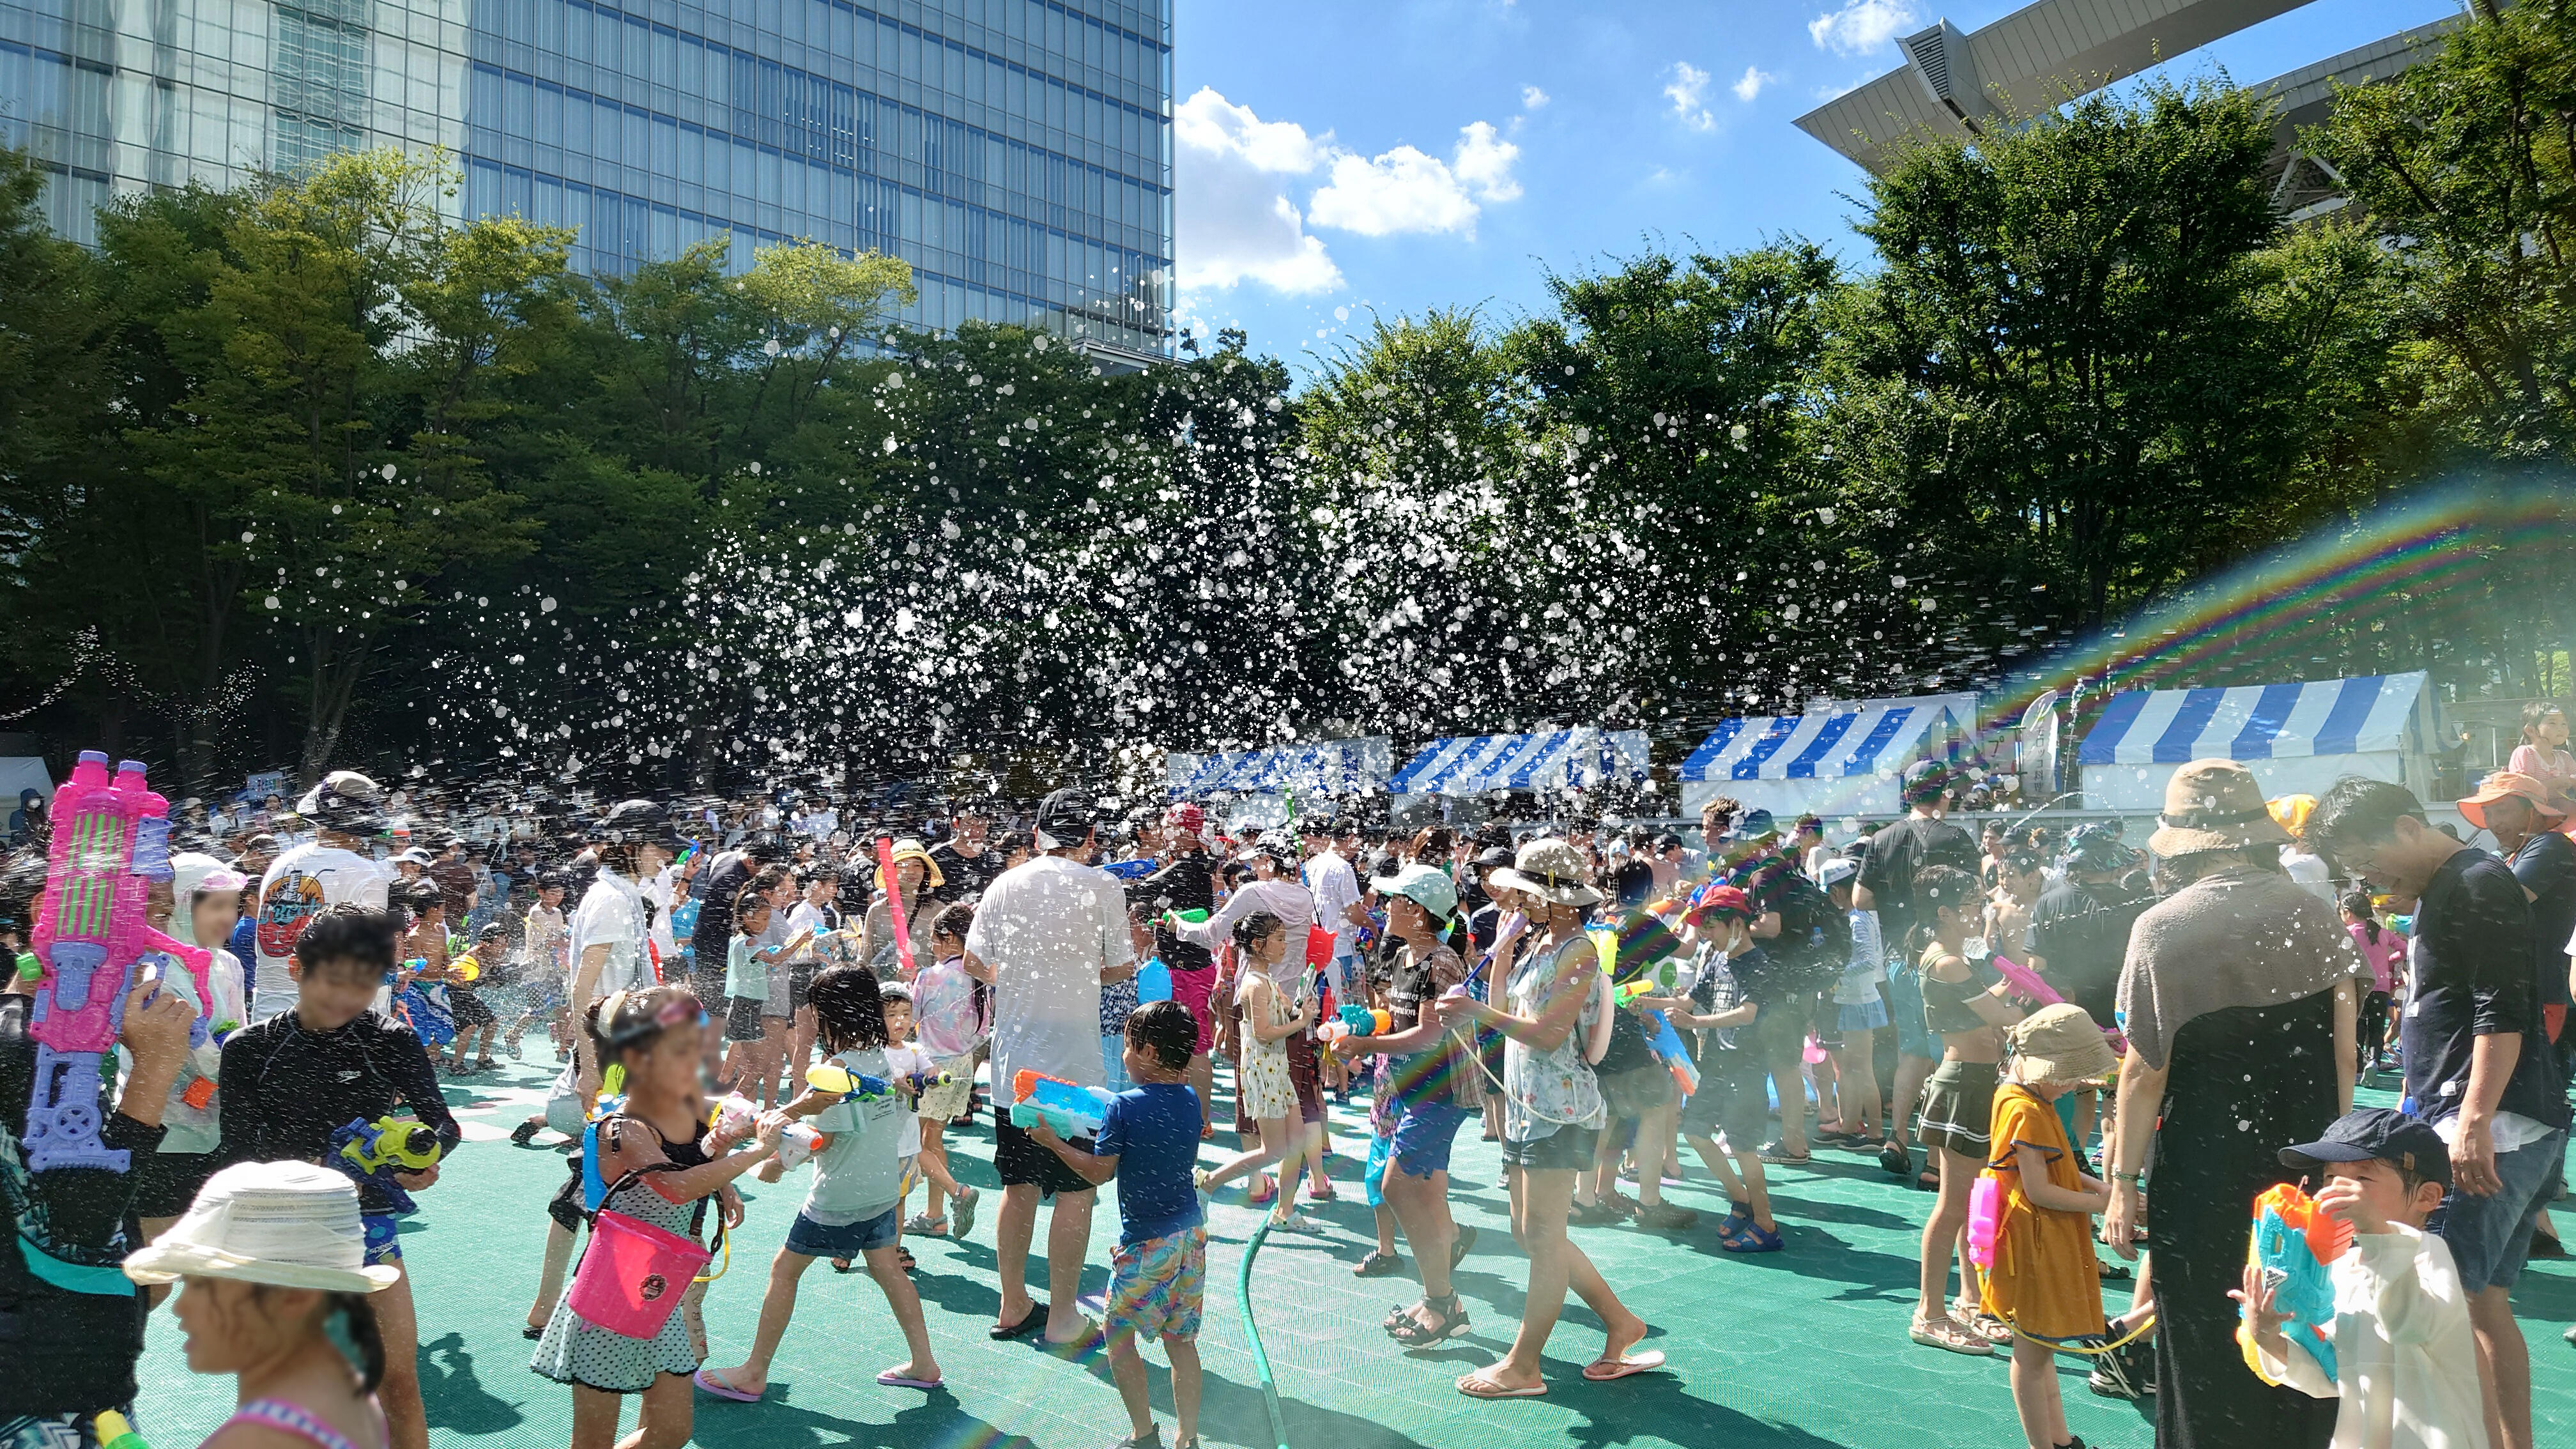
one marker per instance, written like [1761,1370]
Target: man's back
[1048,928]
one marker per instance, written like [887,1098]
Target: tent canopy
[2373,714]
[1542,760]
[1878,738]
[1325,767]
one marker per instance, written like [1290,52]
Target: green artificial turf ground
[1802,1348]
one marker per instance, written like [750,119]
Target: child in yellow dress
[2043,1281]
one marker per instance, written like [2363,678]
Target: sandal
[1983,1324]
[1950,1334]
[1895,1157]
[1458,1247]
[965,1205]
[1262,1191]
[1751,1237]
[1378,1265]
[1449,1320]
[927,1226]
[904,1257]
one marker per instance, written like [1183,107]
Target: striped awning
[1542,760]
[1881,738]
[2372,714]
[1325,767]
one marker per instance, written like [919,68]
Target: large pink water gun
[2027,983]
[111,841]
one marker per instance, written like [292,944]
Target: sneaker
[2127,1372]
[1667,1217]
[526,1132]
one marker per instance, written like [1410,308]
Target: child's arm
[1091,1167]
[2032,1164]
[2415,1294]
[2282,1361]
[631,1153]
[1682,1015]
[1259,1025]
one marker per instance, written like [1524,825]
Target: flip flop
[1036,1319]
[894,1380]
[1620,1368]
[1477,1386]
[721,1389]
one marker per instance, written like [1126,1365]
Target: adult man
[331,869]
[1338,907]
[2080,927]
[967,860]
[455,877]
[2475,1067]
[1046,937]
[634,839]
[1925,837]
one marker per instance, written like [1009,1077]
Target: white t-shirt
[295,889]
[1048,928]
[903,1059]
[611,914]
[658,891]
[1336,888]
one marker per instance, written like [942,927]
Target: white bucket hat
[291,1224]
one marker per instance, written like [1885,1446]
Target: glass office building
[1016,152]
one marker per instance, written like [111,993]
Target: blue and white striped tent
[2297,738]
[1326,767]
[1544,760]
[1841,760]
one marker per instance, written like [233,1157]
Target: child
[1275,1007]
[757,1036]
[1860,1014]
[856,1201]
[542,941]
[1729,1101]
[2383,950]
[2404,1353]
[1148,1138]
[296,1078]
[906,1060]
[465,979]
[204,904]
[662,1165]
[2043,1282]
[949,1018]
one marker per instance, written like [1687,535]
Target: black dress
[2244,1083]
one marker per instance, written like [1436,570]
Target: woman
[916,877]
[273,1259]
[2238,1003]
[1552,1114]
[663,1164]
[1964,1006]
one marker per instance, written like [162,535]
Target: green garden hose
[1252,1332]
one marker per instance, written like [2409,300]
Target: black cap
[1067,816]
[637,822]
[2408,1143]
[1926,781]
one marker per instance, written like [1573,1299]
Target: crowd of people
[2044,1033]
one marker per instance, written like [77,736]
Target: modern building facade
[1016,152]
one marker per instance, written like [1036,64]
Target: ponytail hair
[349,1321]
[2358,903]
[1255,928]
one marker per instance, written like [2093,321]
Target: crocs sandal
[1949,1334]
[1450,1320]
[1262,1191]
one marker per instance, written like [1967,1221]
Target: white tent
[1544,760]
[1840,759]
[2297,738]
[1261,783]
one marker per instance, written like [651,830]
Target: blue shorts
[384,1246]
[1904,992]
[1424,1135]
[1730,1101]
[2490,1236]
[1867,1015]
[814,1240]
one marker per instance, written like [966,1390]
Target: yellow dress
[2043,1281]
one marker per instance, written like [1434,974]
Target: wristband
[2131,1178]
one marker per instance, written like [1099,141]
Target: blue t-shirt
[1153,1131]
[245,948]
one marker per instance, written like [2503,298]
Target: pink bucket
[632,1274]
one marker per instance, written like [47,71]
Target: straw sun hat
[290,1224]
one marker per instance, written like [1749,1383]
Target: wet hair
[349,932]
[953,921]
[2358,903]
[1166,1031]
[2354,811]
[1255,928]
[849,1009]
[1936,886]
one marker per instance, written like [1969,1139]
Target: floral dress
[1543,1091]
[1262,1072]
[577,1351]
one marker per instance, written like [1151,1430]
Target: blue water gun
[1071,1110]
[1669,1050]
[1132,871]
[2292,1242]
[838,1079]
[375,1151]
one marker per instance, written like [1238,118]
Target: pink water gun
[2027,983]
[111,841]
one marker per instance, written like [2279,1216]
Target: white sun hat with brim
[1550,869]
[290,1224]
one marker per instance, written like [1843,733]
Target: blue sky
[1336,157]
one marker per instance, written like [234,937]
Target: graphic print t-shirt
[296,888]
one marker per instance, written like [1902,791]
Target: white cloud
[1233,213]
[1401,190]
[1532,98]
[1484,162]
[1750,84]
[1861,26]
[1688,90]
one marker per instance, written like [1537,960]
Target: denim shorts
[1424,1135]
[2490,1236]
[1904,992]
[1567,1149]
[814,1240]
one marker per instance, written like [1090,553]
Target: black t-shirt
[715,890]
[2546,866]
[1628,1050]
[1896,852]
[2082,931]
[1187,884]
[962,877]
[286,1090]
[2473,976]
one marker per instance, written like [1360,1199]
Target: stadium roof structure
[1962,84]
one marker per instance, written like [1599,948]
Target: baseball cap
[2370,1133]
[1925,780]
[1839,869]
[1425,886]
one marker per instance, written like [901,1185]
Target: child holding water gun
[2042,1281]
[2406,1368]
[857,1199]
[1149,1136]
[906,1062]
[1276,1006]
[948,1019]
[1729,1102]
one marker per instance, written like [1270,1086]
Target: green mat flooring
[1801,1348]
